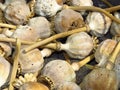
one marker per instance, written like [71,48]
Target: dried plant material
[5,71]
[115,27]
[17,12]
[15,64]
[104,50]
[41,26]
[77,65]
[68,86]
[60,73]
[93,8]
[54,37]
[68,19]
[47,7]
[98,27]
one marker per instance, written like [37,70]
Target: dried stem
[77,65]
[112,58]
[15,64]
[54,37]
[113,9]
[93,8]
[13,40]
[107,3]
[8,26]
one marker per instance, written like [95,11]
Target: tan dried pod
[47,7]
[115,27]
[5,71]
[25,33]
[41,26]
[68,86]
[103,78]
[100,26]
[33,86]
[28,82]
[33,61]
[17,12]
[104,50]
[62,72]
[68,19]
[78,45]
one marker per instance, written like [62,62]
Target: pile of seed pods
[59,45]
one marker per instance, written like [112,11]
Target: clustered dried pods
[35,29]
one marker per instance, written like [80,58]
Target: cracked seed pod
[100,79]
[59,71]
[33,61]
[5,71]
[104,50]
[25,33]
[47,7]
[99,23]
[17,12]
[41,26]
[5,48]
[68,19]
[115,27]
[78,45]
[68,86]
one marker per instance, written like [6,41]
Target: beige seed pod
[41,26]
[59,71]
[115,27]
[33,61]
[33,86]
[68,19]
[104,50]
[25,33]
[78,45]
[5,71]
[17,12]
[47,7]
[99,23]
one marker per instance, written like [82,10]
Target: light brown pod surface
[104,50]
[25,33]
[33,86]
[17,12]
[68,86]
[100,79]
[78,45]
[31,62]
[59,71]
[41,26]
[68,19]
